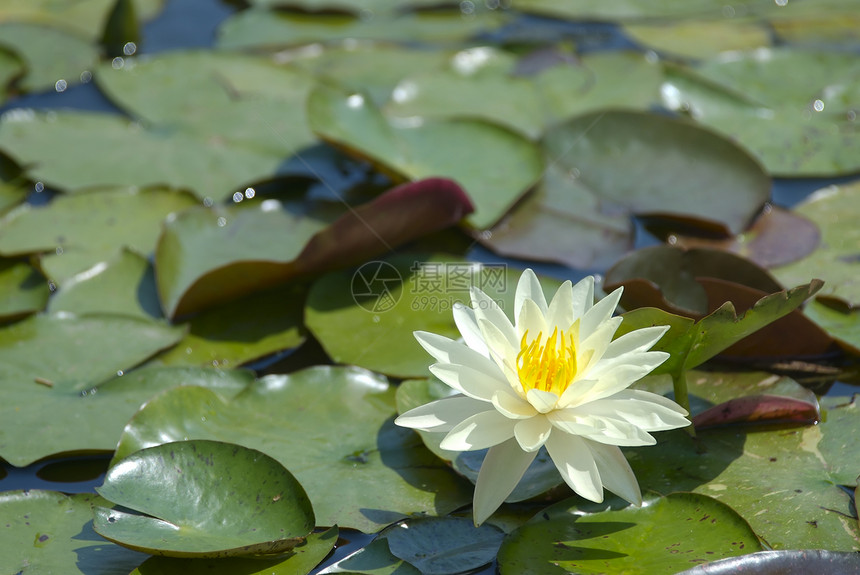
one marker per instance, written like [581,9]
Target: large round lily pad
[203,498]
[331,426]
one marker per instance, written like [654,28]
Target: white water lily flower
[556,378]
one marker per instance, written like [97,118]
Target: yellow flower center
[547,365]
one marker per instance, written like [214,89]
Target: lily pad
[837,259]
[24,290]
[86,18]
[664,535]
[333,427]
[50,532]
[457,545]
[77,232]
[203,498]
[37,421]
[843,325]
[374,559]
[793,562]
[120,152]
[300,560]
[697,39]
[493,165]
[54,59]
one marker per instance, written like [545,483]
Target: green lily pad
[77,232]
[120,152]
[568,219]
[50,532]
[631,10]
[274,30]
[25,291]
[790,108]
[37,421]
[494,166]
[54,59]
[203,498]
[842,325]
[124,285]
[794,562]
[698,39]
[837,259]
[455,544]
[664,535]
[366,316]
[333,427]
[85,18]
[301,560]
[243,101]
[11,67]
[373,559]
[242,331]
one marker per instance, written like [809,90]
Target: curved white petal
[442,414]
[599,313]
[513,406]
[635,341]
[644,414]
[487,309]
[568,422]
[612,431]
[503,355]
[560,312]
[615,472]
[595,345]
[529,288]
[620,377]
[471,381]
[481,430]
[464,318]
[531,320]
[578,392]
[583,296]
[446,350]
[502,469]
[532,433]
[643,395]
[542,401]
[576,464]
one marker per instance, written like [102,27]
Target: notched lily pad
[203,498]
[25,291]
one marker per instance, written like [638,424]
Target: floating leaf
[785,562]
[494,166]
[50,532]
[842,325]
[759,409]
[11,67]
[333,427]
[455,544]
[54,59]
[203,498]
[83,18]
[698,39]
[80,231]
[374,559]
[662,536]
[37,420]
[24,290]
[837,259]
[120,29]
[301,559]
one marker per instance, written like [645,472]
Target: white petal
[598,314]
[568,422]
[470,381]
[442,414]
[583,296]
[532,433]
[645,414]
[502,353]
[620,377]
[464,318]
[612,431]
[531,320]
[576,464]
[636,341]
[529,288]
[560,313]
[543,401]
[578,392]
[615,472]
[593,347]
[481,430]
[652,397]
[446,350]
[502,469]
[513,406]
[487,309]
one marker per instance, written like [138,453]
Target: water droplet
[651,57]
[52,286]
[852,115]
[117,63]
[39,187]
[818,105]
[59,250]
[238,197]
[573,173]
[729,11]
[222,221]
[86,77]
[250,193]
[467,7]
[60,85]
[492,4]
[129,49]
[120,373]
[208,202]
[188,351]
[780,2]
[355,101]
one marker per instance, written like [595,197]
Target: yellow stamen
[547,365]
